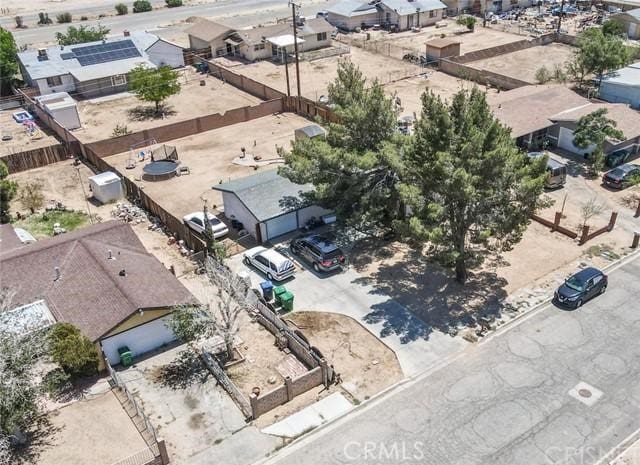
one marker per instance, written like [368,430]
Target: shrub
[122,9]
[140,6]
[31,196]
[120,130]
[173,3]
[55,382]
[467,20]
[75,353]
[19,22]
[43,18]
[84,18]
[543,75]
[559,74]
[63,18]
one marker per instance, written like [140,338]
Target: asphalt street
[516,399]
[234,13]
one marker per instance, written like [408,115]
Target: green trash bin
[286,300]
[126,357]
[277,292]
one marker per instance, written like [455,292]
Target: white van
[274,265]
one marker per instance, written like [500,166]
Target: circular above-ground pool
[159,170]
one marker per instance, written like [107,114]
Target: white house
[267,204]
[96,68]
[398,14]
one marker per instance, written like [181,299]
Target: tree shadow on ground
[185,370]
[425,296]
[41,435]
[144,113]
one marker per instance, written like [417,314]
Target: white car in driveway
[274,265]
[196,222]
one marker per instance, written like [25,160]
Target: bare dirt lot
[21,141]
[209,156]
[317,74]
[480,39]
[96,431]
[523,64]
[410,90]
[100,116]
[366,365]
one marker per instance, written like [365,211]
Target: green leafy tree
[8,61]
[355,169]
[73,351]
[468,186]
[122,9]
[601,54]
[141,6]
[43,19]
[31,196]
[173,3]
[64,18]
[82,34]
[8,190]
[594,129]
[468,21]
[153,85]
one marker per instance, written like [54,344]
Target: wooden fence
[22,161]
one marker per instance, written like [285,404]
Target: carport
[268,205]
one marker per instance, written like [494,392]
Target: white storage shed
[106,187]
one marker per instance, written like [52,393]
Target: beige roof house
[207,31]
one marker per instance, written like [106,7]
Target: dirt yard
[75,427]
[20,140]
[410,90]
[365,364]
[480,39]
[523,64]
[209,156]
[100,116]
[316,75]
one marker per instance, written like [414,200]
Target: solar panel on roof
[104,53]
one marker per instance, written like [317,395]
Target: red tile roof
[90,293]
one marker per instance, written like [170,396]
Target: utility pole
[560,16]
[295,48]
[286,71]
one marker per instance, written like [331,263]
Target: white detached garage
[268,205]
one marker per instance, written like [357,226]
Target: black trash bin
[267,290]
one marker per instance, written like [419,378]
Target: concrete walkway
[310,417]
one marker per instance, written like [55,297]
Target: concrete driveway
[353,295]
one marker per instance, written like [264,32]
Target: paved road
[235,13]
[507,402]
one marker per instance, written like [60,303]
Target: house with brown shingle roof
[260,42]
[102,280]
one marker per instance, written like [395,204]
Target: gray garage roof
[267,195]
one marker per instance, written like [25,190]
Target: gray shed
[106,187]
[309,132]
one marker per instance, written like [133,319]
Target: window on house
[321,36]
[118,80]
[258,47]
[54,81]
[433,13]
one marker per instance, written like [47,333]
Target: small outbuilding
[630,21]
[106,187]
[310,132]
[442,48]
[268,205]
[61,107]
[622,86]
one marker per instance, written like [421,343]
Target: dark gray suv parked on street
[319,251]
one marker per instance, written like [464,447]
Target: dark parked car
[617,158]
[580,287]
[622,176]
[319,251]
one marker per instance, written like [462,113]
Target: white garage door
[140,339]
[281,225]
[565,141]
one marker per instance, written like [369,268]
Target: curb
[520,318]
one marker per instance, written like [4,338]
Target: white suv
[276,266]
